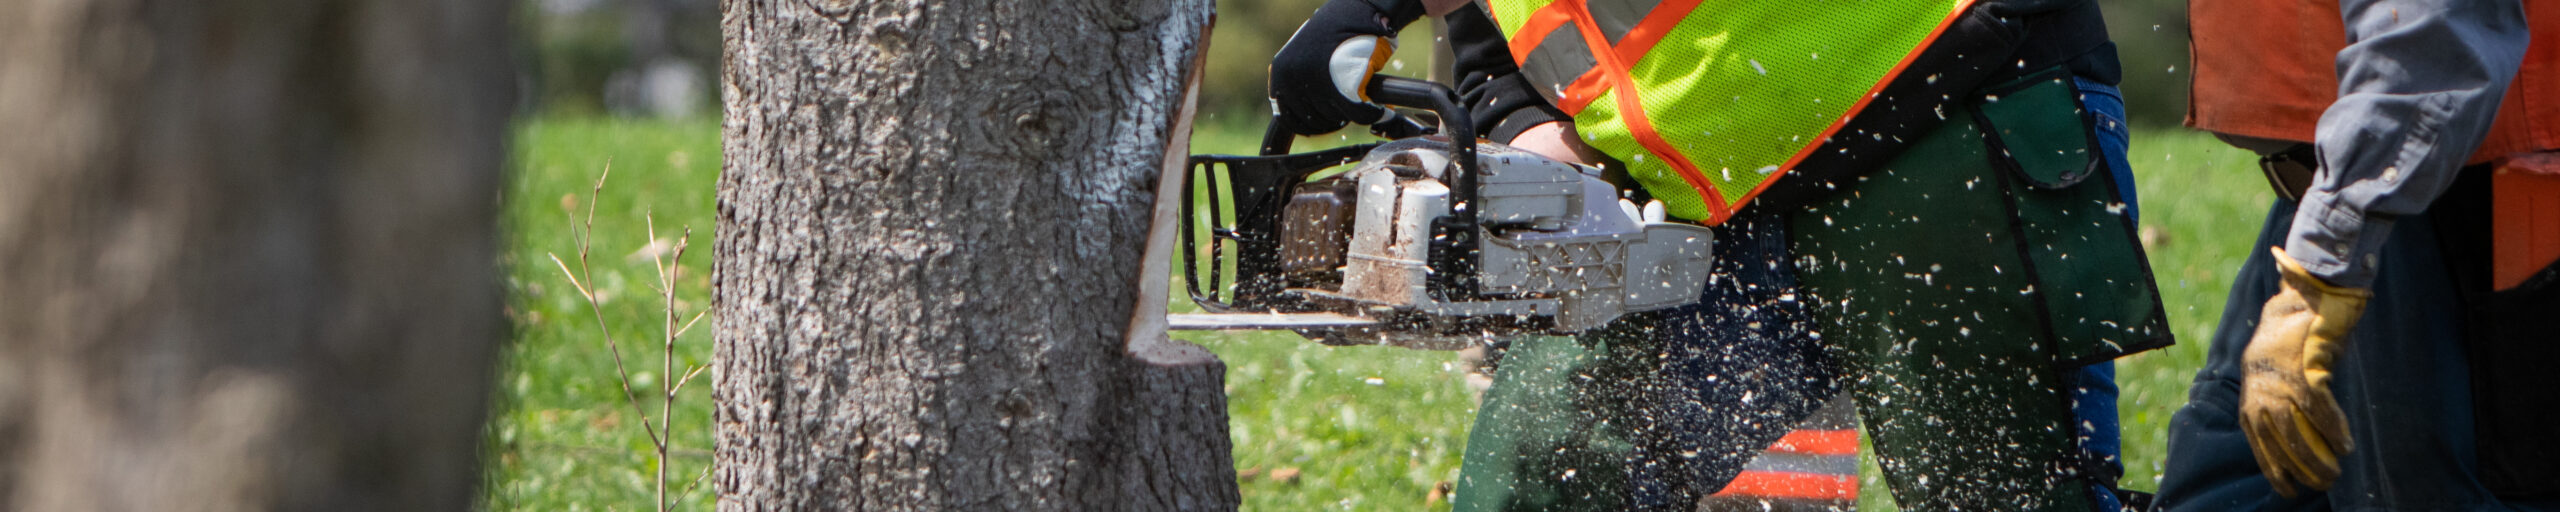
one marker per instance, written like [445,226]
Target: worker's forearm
[1555,140]
[2419,83]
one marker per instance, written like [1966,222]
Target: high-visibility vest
[2268,69]
[1707,102]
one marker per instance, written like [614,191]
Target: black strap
[2289,172]
[1995,42]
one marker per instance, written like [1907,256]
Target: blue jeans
[2093,396]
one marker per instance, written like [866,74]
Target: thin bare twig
[585,235]
[697,480]
[669,275]
[688,324]
[667,361]
[688,377]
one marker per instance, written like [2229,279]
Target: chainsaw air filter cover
[1555,246]
[1551,251]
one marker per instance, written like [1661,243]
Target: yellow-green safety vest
[1729,94]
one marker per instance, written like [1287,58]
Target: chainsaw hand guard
[1242,198]
[1248,195]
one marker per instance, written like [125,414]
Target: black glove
[1312,93]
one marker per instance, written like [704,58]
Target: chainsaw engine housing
[1549,251]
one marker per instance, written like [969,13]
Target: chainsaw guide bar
[1264,321]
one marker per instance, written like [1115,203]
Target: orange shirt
[2524,224]
[2268,68]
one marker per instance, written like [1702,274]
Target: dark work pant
[2404,383]
[1643,415]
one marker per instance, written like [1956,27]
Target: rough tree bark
[933,218]
[246,252]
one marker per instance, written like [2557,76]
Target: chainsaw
[1424,242]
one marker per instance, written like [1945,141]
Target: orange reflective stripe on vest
[1709,101]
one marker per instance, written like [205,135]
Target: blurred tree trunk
[246,252]
[933,222]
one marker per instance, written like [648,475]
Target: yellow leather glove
[2293,423]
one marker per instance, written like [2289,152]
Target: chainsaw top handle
[1423,94]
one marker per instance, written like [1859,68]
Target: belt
[2289,172]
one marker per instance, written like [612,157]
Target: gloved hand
[1319,78]
[2293,423]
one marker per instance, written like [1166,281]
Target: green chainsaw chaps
[1966,281]
[1962,283]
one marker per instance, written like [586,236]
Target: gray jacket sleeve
[2418,84]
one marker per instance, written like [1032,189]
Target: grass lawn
[564,438]
[1315,428]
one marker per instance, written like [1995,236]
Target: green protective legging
[1553,432]
[1920,274]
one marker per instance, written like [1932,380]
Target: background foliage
[1315,428]
[580,47]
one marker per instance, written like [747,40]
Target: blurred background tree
[640,58]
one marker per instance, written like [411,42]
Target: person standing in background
[2377,355]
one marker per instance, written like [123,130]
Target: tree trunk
[934,224]
[246,252]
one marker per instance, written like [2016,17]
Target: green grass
[2206,200]
[1364,428]
[564,438]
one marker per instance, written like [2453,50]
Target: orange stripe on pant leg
[1806,486]
[1818,442]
